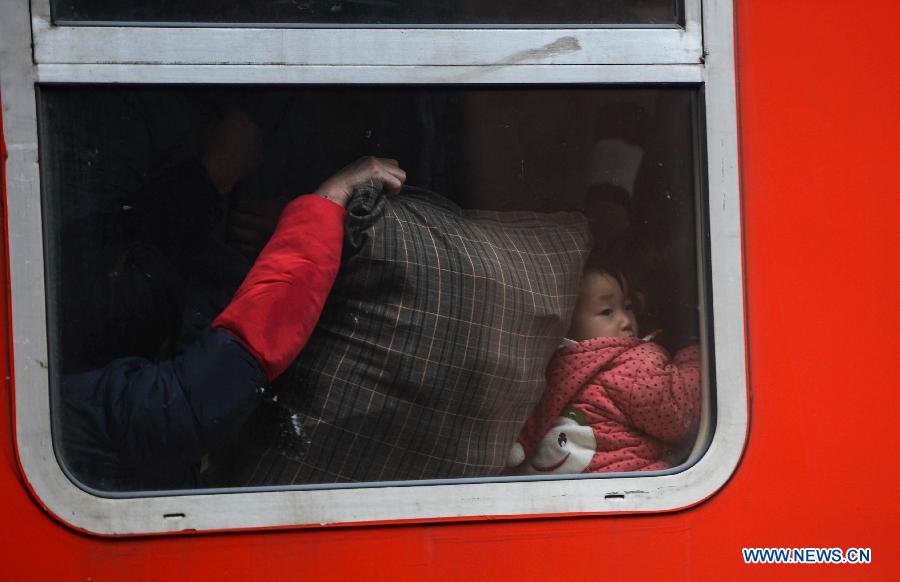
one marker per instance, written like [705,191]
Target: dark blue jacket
[143,425]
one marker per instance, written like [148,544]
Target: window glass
[459,301]
[369,12]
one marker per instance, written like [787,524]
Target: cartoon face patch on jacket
[568,447]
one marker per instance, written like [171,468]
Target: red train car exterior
[819,87]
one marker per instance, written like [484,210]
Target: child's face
[602,309]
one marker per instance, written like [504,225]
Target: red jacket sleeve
[277,306]
[660,397]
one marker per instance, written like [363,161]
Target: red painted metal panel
[819,88]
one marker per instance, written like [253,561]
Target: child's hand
[516,455]
[339,187]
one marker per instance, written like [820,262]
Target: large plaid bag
[431,349]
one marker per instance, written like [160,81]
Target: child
[614,402]
[143,421]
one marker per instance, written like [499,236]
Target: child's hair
[614,265]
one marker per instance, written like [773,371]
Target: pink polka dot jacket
[613,404]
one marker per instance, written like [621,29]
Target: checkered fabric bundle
[432,348]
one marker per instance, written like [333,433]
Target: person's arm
[139,424]
[159,418]
[659,396]
[277,306]
[164,416]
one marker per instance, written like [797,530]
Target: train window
[545,318]
[158,201]
[357,12]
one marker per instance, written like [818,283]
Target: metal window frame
[354,46]
[65,57]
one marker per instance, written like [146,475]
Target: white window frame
[110,54]
[357,46]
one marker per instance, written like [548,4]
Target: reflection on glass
[461,337]
[373,12]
